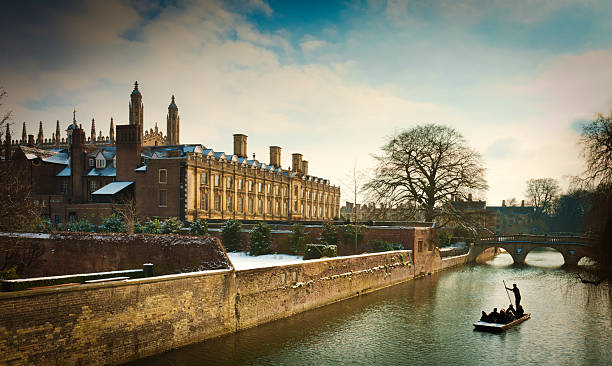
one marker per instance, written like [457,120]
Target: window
[309,195]
[251,205]
[250,186]
[277,190]
[260,206]
[217,180]
[229,182]
[270,207]
[217,202]
[163,198]
[278,213]
[314,211]
[240,204]
[296,190]
[204,178]
[229,203]
[240,184]
[269,188]
[285,190]
[284,208]
[58,219]
[420,246]
[91,162]
[204,200]
[92,186]
[100,163]
[260,187]
[64,187]
[163,176]
[115,161]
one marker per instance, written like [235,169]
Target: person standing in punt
[517,294]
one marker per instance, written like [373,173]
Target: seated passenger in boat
[520,312]
[485,317]
[494,316]
[503,319]
[511,313]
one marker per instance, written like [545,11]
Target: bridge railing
[536,238]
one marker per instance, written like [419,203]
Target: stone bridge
[573,248]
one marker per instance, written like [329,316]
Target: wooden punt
[494,327]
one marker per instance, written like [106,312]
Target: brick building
[77,178]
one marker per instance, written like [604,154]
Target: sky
[332,80]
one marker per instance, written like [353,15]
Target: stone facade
[169,179]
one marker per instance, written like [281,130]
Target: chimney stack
[522,203]
[77,166]
[470,197]
[296,162]
[503,203]
[128,151]
[305,167]
[240,145]
[31,141]
[275,156]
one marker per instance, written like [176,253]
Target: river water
[428,321]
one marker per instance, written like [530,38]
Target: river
[428,321]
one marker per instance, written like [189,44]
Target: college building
[77,177]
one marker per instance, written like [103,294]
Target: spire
[57,134]
[136,91]
[39,141]
[93,130]
[7,144]
[172,124]
[111,135]
[136,111]
[74,116]
[24,135]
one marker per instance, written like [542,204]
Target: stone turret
[172,124]
[136,111]
[24,135]
[111,134]
[40,138]
[7,144]
[93,130]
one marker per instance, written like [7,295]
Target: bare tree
[596,141]
[6,116]
[427,166]
[511,202]
[542,192]
[353,186]
[127,210]
[18,211]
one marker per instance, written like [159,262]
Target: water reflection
[429,321]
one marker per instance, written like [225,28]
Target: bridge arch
[564,254]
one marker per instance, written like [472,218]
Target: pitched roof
[65,172]
[109,171]
[113,188]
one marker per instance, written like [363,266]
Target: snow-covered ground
[242,260]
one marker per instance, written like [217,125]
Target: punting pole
[506,288]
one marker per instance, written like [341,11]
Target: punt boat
[494,327]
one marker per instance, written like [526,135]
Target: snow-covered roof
[113,187]
[65,172]
[59,158]
[109,171]
[141,169]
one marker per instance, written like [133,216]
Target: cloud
[500,149]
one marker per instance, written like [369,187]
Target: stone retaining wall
[41,255]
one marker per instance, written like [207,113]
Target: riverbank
[115,322]
[428,321]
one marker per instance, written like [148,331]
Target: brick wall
[37,255]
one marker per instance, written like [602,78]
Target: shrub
[152,227]
[138,228]
[198,227]
[298,239]
[113,224]
[316,251]
[81,225]
[329,234]
[172,226]
[230,235]
[9,274]
[348,234]
[260,239]
[383,246]
[444,238]
[44,225]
